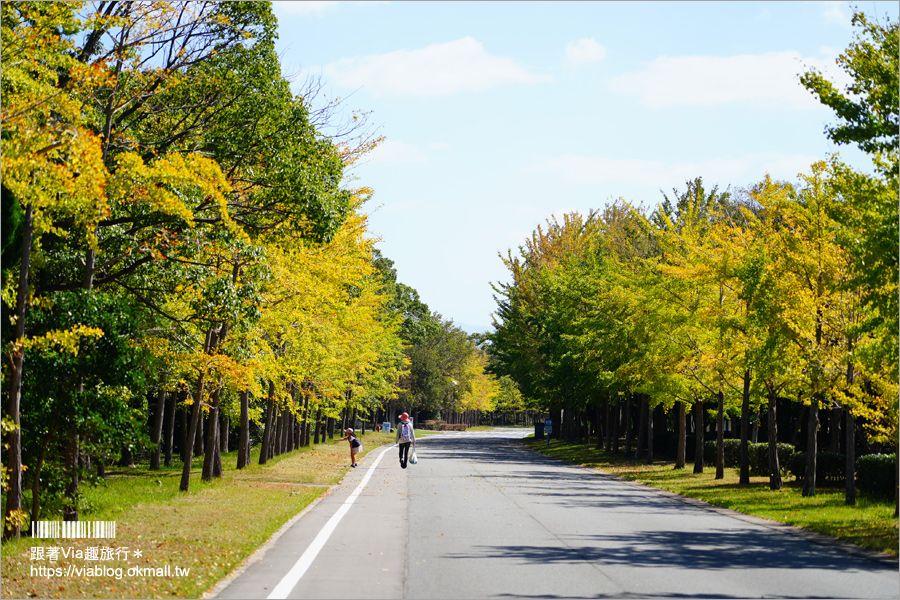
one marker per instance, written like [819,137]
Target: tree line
[184,263]
[720,305]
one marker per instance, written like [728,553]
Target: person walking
[405,437]
[355,446]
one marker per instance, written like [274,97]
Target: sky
[498,115]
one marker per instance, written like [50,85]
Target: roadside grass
[208,530]
[870,524]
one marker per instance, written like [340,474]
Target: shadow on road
[711,551]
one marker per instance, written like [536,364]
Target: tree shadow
[748,548]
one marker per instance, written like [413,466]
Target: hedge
[452,427]
[758,455]
[732,453]
[830,467]
[759,458]
[876,474]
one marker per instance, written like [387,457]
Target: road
[482,517]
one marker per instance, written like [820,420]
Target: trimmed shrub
[876,473]
[452,427]
[732,453]
[830,467]
[759,458]
[431,424]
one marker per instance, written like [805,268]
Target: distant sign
[386,427]
[548,426]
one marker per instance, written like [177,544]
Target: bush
[830,467]
[876,473]
[732,453]
[452,427]
[759,458]
[431,424]
[758,455]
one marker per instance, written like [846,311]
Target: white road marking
[290,580]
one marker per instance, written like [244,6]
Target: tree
[51,168]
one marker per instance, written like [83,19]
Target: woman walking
[405,437]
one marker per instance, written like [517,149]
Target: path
[482,517]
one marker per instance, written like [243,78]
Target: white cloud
[436,70]
[770,80]
[835,13]
[396,152]
[583,51]
[660,175]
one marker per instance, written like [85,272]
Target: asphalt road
[482,517]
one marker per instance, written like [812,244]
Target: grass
[870,524]
[208,530]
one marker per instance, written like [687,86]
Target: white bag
[412,458]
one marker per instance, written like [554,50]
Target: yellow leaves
[174,185]
[64,340]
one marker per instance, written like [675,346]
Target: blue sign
[548,425]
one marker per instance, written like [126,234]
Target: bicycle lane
[353,536]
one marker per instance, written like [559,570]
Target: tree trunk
[304,430]
[243,457]
[698,436]
[70,504]
[12,523]
[617,416]
[267,432]
[627,425]
[681,452]
[158,426]
[745,431]
[598,418]
[126,458]
[609,424]
[850,483]
[191,435]
[809,481]
[720,435]
[316,425]
[200,437]
[212,436]
[850,468]
[755,427]
[775,481]
[186,444]
[170,428]
[225,422]
[36,481]
[651,414]
[642,430]
[279,429]
[835,422]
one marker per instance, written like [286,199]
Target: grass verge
[870,524]
[207,531]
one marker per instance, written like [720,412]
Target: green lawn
[870,524]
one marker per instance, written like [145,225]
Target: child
[355,446]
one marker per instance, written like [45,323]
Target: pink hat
[404,417]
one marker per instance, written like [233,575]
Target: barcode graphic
[73,529]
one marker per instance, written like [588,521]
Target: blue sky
[498,115]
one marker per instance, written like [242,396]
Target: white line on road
[289,581]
